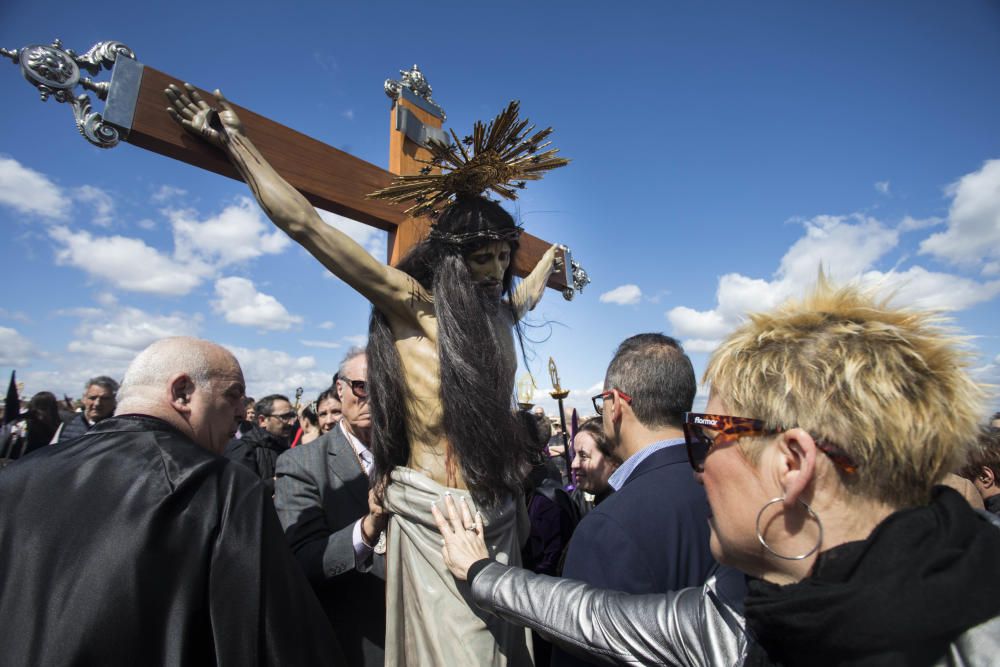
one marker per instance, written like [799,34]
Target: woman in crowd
[308,425]
[32,429]
[592,466]
[827,423]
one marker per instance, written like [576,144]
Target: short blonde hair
[887,385]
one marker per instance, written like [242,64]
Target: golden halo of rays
[499,158]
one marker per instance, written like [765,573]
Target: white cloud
[240,303]
[882,187]
[325,344]
[166,193]
[240,232]
[276,372]
[104,206]
[845,245]
[910,224]
[116,334]
[359,340]
[371,239]
[848,248]
[126,262]
[146,224]
[700,345]
[927,289]
[327,325]
[104,342]
[31,192]
[699,324]
[15,315]
[973,233]
[624,295]
[348,114]
[15,349]
[201,248]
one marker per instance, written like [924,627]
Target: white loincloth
[430,618]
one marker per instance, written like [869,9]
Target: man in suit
[333,523]
[651,535]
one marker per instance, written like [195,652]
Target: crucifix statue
[445,319]
[441,360]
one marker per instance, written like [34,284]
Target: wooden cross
[329,178]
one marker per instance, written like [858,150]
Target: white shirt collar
[363,452]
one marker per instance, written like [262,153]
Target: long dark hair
[477,373]
[43,420]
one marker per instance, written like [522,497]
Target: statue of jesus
[442,360]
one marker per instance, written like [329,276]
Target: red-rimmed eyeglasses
[605,395]
[699,429]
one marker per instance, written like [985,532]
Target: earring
[763,542]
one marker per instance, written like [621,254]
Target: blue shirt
[620,476]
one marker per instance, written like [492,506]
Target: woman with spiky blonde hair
[829,422]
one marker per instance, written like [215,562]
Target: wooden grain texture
[404,155]
[330,179]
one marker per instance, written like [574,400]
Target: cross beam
[329,178]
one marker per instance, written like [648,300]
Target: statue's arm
[530,291]
[389,289]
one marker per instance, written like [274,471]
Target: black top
[134,546]
[258,450]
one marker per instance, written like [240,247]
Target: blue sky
[721,151]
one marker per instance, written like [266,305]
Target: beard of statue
[477,377]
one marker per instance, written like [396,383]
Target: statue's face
[487,266]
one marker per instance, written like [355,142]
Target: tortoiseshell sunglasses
[730,429]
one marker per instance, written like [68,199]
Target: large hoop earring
[763,542]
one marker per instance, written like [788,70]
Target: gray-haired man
[99,402]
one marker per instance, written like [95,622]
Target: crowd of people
[778,536]
[809,516]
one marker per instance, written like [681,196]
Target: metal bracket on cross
[55,72]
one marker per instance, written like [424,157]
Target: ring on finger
[471,528]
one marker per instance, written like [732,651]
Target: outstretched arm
[695,627]
[529,292]
[390,290]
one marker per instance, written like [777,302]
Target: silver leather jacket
[692,626]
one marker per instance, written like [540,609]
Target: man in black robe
[137,544]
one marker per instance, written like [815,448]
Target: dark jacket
[320,494]
[650,536]
[134,546]
[73,428]
[259,451]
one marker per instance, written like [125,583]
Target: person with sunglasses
[334,523]
[260,447]
[828,422]
[622,544]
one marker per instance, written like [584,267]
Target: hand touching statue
[463,541]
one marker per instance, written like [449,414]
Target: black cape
[134,546]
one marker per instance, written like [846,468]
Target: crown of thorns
[499,157]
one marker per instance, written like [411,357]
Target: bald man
[137,544]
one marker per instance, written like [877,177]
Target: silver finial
[55,72]
[415,82]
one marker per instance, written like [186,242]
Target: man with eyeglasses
[332,521]
[260,447]
[651,535]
